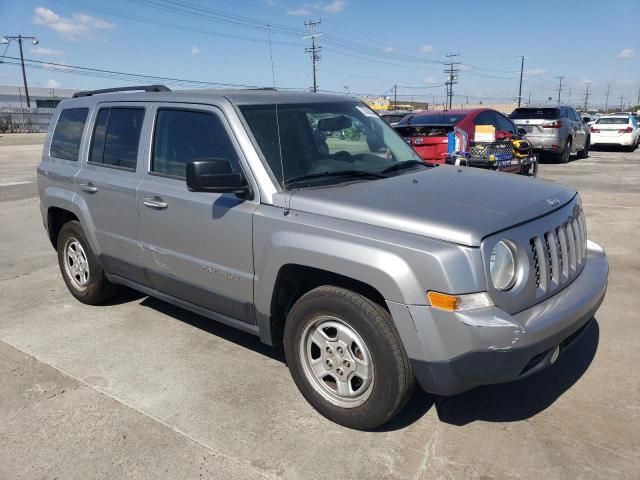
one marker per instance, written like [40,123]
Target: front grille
[484,150]
[557,256]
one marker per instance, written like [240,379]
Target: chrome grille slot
[558,255]
[552,248]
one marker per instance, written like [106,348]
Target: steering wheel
[343,156]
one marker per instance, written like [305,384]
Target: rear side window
[535,113]
[67,136]
[185,135]
[116,137]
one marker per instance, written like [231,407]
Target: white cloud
[51,83]
[389,49]
[430,80]
[298,12]
[334,7]
[626,53]
[195,50]
[45,52]
[79,25]
[426,48]
[534,71]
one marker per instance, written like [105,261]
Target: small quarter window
[185,135]
[116,137]
[67,136]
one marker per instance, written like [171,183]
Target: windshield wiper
[403,165]
[339,173]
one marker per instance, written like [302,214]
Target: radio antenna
[275,102]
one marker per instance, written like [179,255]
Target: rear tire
[563,157]
[346,357]
[585,152]
[81,271]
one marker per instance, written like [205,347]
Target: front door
[197,246]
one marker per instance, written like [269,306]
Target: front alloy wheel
[336,361]
[346,357]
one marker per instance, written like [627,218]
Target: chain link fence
[24,120]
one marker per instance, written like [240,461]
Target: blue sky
[368,46]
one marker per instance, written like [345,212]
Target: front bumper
[487,346]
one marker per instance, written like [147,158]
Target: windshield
[443,118]
[535,113]
[324,138]
[613,120]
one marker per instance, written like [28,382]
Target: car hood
[455,204]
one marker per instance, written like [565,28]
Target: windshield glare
[325,138]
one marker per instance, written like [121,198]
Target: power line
[20,39]
[314,50]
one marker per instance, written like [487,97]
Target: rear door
[108,182]
[197,245]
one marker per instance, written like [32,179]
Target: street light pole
[20,38]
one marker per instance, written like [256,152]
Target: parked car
[372,267]
[392,117]
[429,131]
[558,131]
[620,129]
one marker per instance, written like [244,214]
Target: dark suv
[557,130]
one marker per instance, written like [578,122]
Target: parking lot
[141,389]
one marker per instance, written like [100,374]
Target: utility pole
[20,38]
[606,102]
[622,102]
[521,73]
[314,50]
[395,97]
[452,77]
[560,77]
[529,101]
[586,97]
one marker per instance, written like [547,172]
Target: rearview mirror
[215,175]
[333,124]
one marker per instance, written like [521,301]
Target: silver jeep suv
[257,210]
[558,130]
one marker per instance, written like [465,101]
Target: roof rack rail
[145,88]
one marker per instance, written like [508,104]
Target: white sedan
[619,130]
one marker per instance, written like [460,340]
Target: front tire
[585,152]
[346,357]
[81,271]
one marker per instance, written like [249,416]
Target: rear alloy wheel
[585,152]
[80,269]
[346,357]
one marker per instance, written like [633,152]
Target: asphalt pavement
[141,389]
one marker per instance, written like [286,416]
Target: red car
[428,133]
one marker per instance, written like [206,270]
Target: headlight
[503,265]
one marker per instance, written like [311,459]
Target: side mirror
[215,175]
[521,131]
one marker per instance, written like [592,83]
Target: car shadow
[524,398]
[243,339]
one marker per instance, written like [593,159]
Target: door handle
[155,202]
[88,187]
